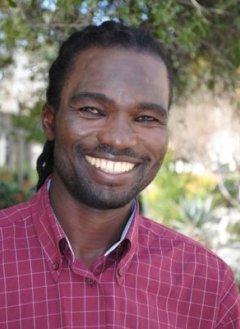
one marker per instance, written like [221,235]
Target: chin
[102,200]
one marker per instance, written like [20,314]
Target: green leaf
[12,3]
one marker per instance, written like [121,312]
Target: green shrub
[166,196]
[11,193]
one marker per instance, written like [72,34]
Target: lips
[110,167]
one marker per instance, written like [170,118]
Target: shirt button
[55,265]
[120,272]
[89,281]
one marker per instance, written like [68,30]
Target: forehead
[126,76]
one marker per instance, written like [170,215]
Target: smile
[110,167]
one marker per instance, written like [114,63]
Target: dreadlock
[108,34]
[45,163]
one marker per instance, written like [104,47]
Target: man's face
[110,130]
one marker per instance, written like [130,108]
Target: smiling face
[110,130]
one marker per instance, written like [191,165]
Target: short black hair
[108,34]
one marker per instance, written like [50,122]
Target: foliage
[29,122]
[10,191]
[194,34]
[10,194]
[195,206]
[228,190]
[167,196]
[198,220]
[174,196]
[234,230]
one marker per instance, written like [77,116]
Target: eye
[90,112]
[151,120]
[147,118]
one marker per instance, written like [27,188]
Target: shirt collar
[125,230]
[116,244]
[50,233]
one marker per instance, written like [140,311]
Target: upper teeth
[112,167]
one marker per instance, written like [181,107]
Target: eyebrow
[153,106]
[104,99]
[91,95]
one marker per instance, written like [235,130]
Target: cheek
[71,129]
[156,144]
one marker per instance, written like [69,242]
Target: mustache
[104,149]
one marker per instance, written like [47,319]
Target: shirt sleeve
[229,304]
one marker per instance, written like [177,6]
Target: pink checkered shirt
[156,278]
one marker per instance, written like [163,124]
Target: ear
[48,121]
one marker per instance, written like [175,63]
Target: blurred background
[197,190]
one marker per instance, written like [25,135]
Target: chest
[139,298]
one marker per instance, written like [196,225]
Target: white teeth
[112,167]
[97,163]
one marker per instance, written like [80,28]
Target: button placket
[120,272]
[55,265]
[120,276]
[90,281]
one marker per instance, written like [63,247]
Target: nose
[118,133]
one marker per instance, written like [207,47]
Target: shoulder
[187,261]
[179,249]
[189,271]
[166,235]
[15,225]
[15,214]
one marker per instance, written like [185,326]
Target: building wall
[16,153]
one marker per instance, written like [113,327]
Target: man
[79,254]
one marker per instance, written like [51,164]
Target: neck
[90,231]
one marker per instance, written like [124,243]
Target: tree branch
[225,193]
[201,8]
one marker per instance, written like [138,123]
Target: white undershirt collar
[123,235]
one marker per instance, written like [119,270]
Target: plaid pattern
[156,278]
